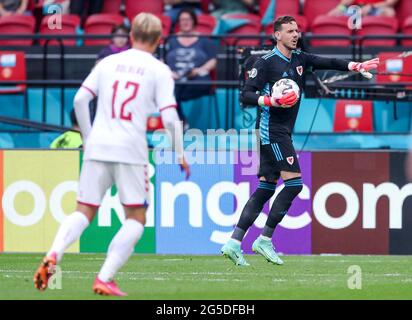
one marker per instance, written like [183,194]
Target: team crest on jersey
[252,73]
[290,160]
[299,70]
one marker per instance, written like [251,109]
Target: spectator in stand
[232,6]
[384,8]
[93,6]
[12,7]
[190,58]
[120,42]
[63,4]
[70,139]
[175,6]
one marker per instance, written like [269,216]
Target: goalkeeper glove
[286,101]
[364,67]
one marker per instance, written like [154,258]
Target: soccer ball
[284,86]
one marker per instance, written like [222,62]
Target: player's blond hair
[146,28]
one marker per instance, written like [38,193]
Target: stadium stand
[325,25]
[70,24]
[378,26]
[314,8]
[166,24]
[112,6]
[290,7]
[101,24]
[17,24]
[403,10]
[407,30]
[251,26]
[134,7]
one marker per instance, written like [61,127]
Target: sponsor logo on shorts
[290,160]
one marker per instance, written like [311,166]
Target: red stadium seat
[166,24]
[325,25]
[111,6]
[253,27]
[353,115]
[101,24]
[407,30]
[70,23]
[205,24]
[403,10]
[378,26]
[17,24]
[134,7]
[205,6]
[288,7]
[314,8]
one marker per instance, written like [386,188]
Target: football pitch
[187,277]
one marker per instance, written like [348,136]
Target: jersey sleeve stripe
[167,107]
[90,90]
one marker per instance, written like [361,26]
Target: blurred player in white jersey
[130,85]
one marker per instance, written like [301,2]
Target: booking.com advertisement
[197,215]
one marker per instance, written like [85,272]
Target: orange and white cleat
[107,288]
[44,272]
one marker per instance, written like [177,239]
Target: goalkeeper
[275,121]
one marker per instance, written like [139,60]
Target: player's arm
[252,92]
[87,92]
[166,102]
[318,62]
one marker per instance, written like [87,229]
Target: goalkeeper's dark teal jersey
[274,122]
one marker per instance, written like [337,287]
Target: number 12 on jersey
[124,115]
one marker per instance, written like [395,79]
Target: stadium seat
[250,27]
[70,23]
[353,115]
[407,30]
[325,25]
[166,24]
[101,24]
[17,24]
[315,8]
[205,24]
[205,6]
[134,7]
[288,7]
[403,10]
[378,26]
[13,68]
[111,6]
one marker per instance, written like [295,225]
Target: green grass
[214,277]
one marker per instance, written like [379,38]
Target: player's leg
[254,206]
[292,186]
[131,181]
[94,181]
